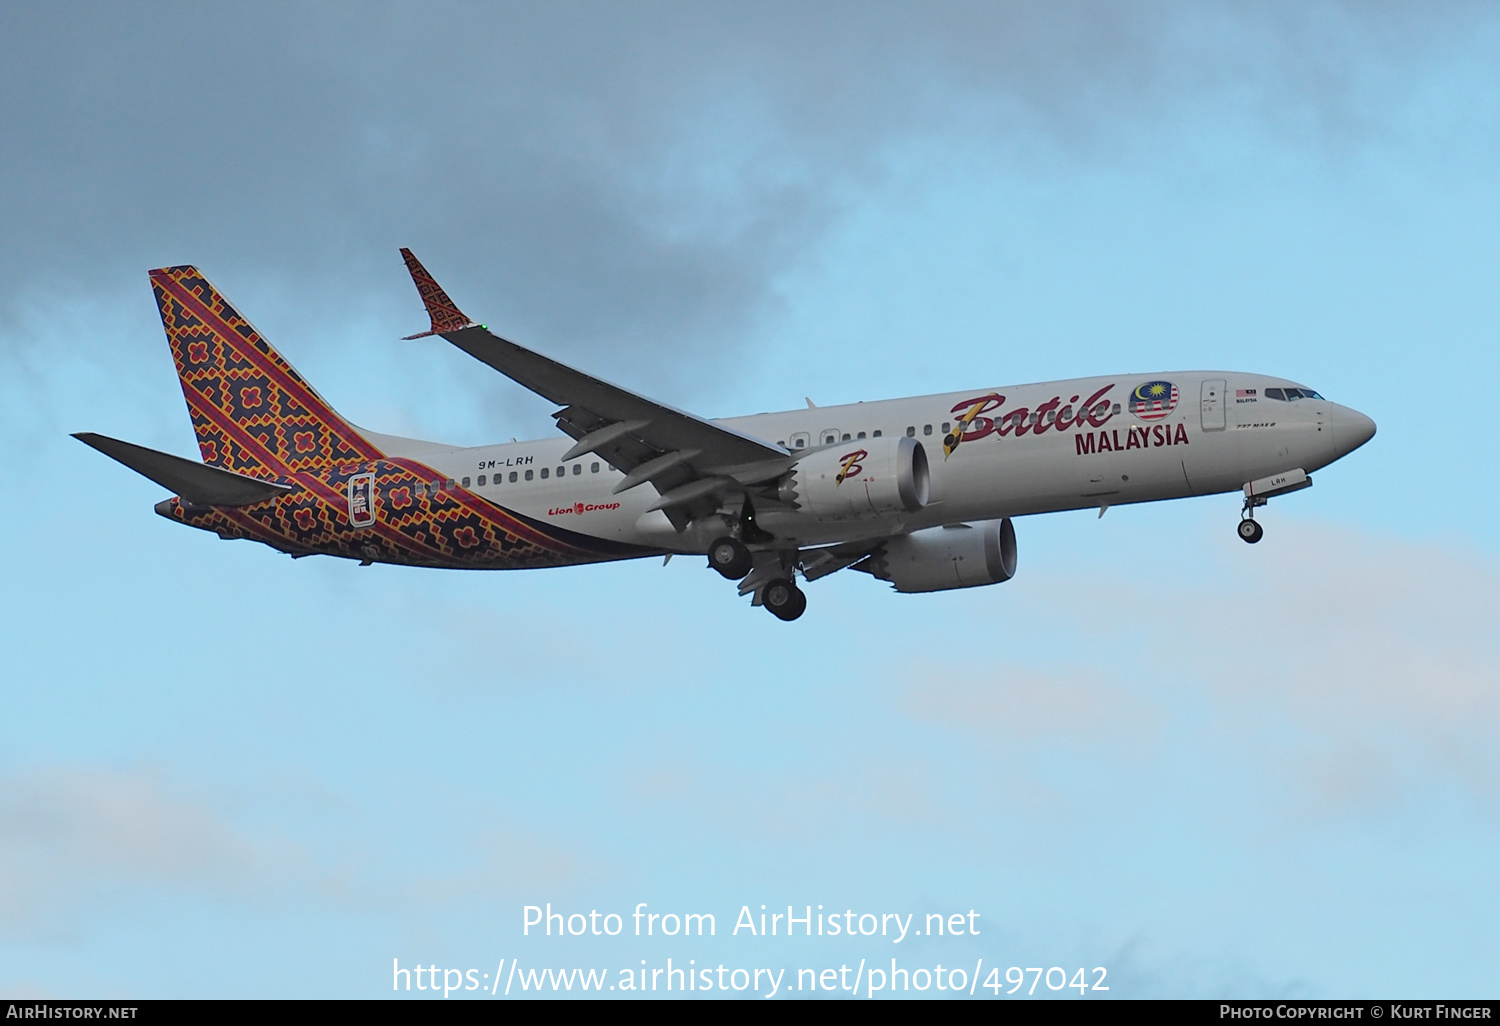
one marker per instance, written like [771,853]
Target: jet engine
[870,477]
[942,558]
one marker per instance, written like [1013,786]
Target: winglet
[445,315]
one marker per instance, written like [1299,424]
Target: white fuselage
[1220,431]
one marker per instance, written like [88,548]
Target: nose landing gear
[1249,530]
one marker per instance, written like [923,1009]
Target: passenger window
[926,429]
[946,426]
[860,435]
[562,471]
[1066,413]
[877,432]
[829,438]
[528,474]
[451,484]
[544,474]
[1031,418]
[466,482]
[1117,409]
[481,480]
[846,436]
[1048,418]
[577,469]
[593,468]
[512,477]
[801,443]
[911,432]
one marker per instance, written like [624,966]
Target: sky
[1210,769]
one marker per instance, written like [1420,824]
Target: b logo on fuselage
[981,405]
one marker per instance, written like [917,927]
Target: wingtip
[444,313]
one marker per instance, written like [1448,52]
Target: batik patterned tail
[445,314]
[252,412]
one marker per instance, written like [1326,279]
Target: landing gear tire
[730,558]
[784,599]
[1250,531]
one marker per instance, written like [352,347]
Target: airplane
[918,492]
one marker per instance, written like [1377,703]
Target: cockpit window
[1291,394]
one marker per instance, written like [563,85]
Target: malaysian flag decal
[1153,400]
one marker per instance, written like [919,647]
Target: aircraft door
[361,496]
[1212,404]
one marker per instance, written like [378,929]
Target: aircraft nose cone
[1351,429]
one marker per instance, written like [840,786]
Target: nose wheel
[1249,530]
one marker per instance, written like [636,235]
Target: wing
[695,466]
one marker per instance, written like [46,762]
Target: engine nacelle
[941,558]
[870,477]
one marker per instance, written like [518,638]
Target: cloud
[625,181]
[1380,654]
[69,836]
[1022,709]
[1351,672]
[76,840]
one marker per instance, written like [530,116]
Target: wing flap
[197,483]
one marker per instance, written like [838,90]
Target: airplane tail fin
[252,412]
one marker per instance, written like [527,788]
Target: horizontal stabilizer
[199,484]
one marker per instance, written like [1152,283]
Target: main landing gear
[779,594]
[730,558]
[1249,530]
[784,599]
[770,575]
